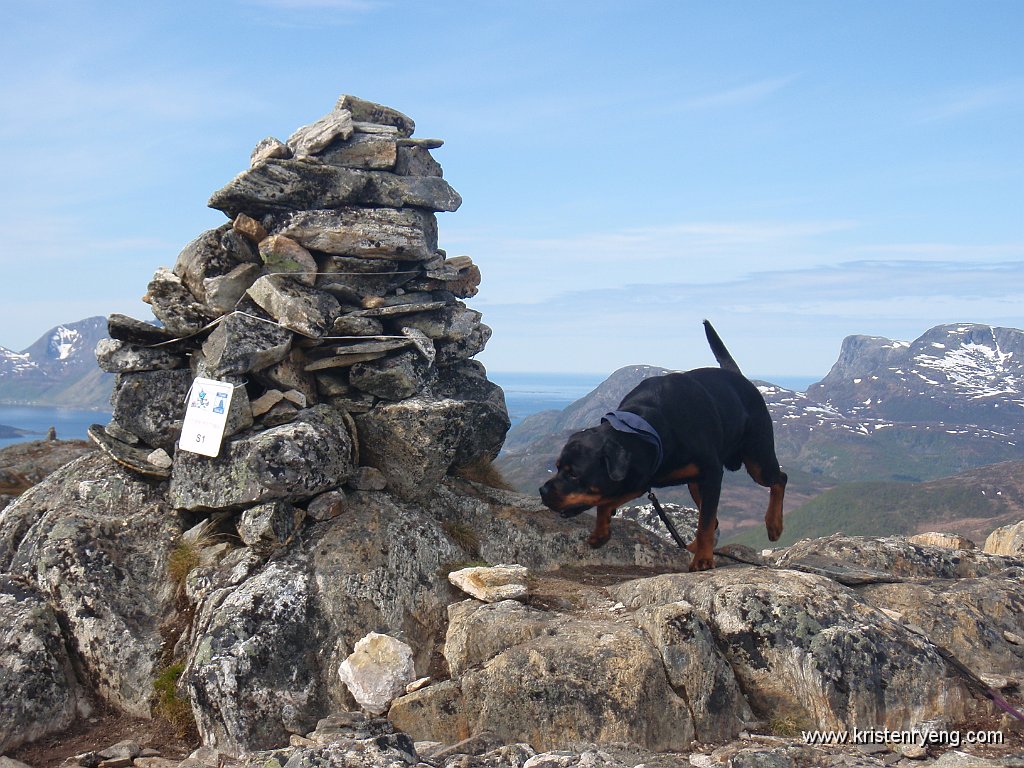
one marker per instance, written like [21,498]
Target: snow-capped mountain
[959,372]
[58,369]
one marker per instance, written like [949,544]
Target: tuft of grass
[169,705]
[188,553]
[484,472]
[185,556]
[786,726]
[464,536]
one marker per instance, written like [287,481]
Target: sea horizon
[526,393]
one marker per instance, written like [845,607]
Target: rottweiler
[669,430]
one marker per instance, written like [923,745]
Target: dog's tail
[718,349]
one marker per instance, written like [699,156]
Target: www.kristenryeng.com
[920,737]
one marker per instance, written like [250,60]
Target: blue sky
[795,171]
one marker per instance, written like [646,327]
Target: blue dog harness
[630,423]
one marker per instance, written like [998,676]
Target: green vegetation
[185,556]
[882,509]
[169,705]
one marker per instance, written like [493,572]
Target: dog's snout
[545,492]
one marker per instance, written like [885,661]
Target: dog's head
[592,468]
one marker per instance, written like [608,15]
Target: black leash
[666,520]
[976,682]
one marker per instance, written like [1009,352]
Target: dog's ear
[616,460]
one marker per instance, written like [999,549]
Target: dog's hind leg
[774,479]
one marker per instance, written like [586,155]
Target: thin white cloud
[969,101]
[739,96]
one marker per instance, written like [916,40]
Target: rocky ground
[22,465]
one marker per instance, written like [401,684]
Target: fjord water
[70,423]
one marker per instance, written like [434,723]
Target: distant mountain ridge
[947,402]
[58,369]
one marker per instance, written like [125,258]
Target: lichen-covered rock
[416,441]
[970,617]
[241,343]
[367,151]
[292,462]
[151,405]
[115,356]
[583,680]
[484,405]
[408,234]
[697,670]
[132,331]
[313,138]
[807,648]
[174,306]
[283,255]
[479,632]
[253,675]
[204,262]
[364,111]
[413,442]
[95,540]
[296,307]
[378,669]
[38,690]
[269,526]
[394,378]
[303,184]
[898,557]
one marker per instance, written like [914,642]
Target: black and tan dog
[670,430]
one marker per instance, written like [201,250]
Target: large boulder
[38,690]
[96,541]
[253,675]
[973,618]
[561,680]
[291,462]
[807,649]
[896,556]
[1008,540]
[415,442]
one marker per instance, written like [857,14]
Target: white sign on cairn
[209,402]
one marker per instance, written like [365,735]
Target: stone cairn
[327,304]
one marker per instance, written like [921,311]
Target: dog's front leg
[602,526]
[703,545]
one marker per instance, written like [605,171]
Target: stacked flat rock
[327,303]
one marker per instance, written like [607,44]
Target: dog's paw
[596,542]
[774,528]
[702,563]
